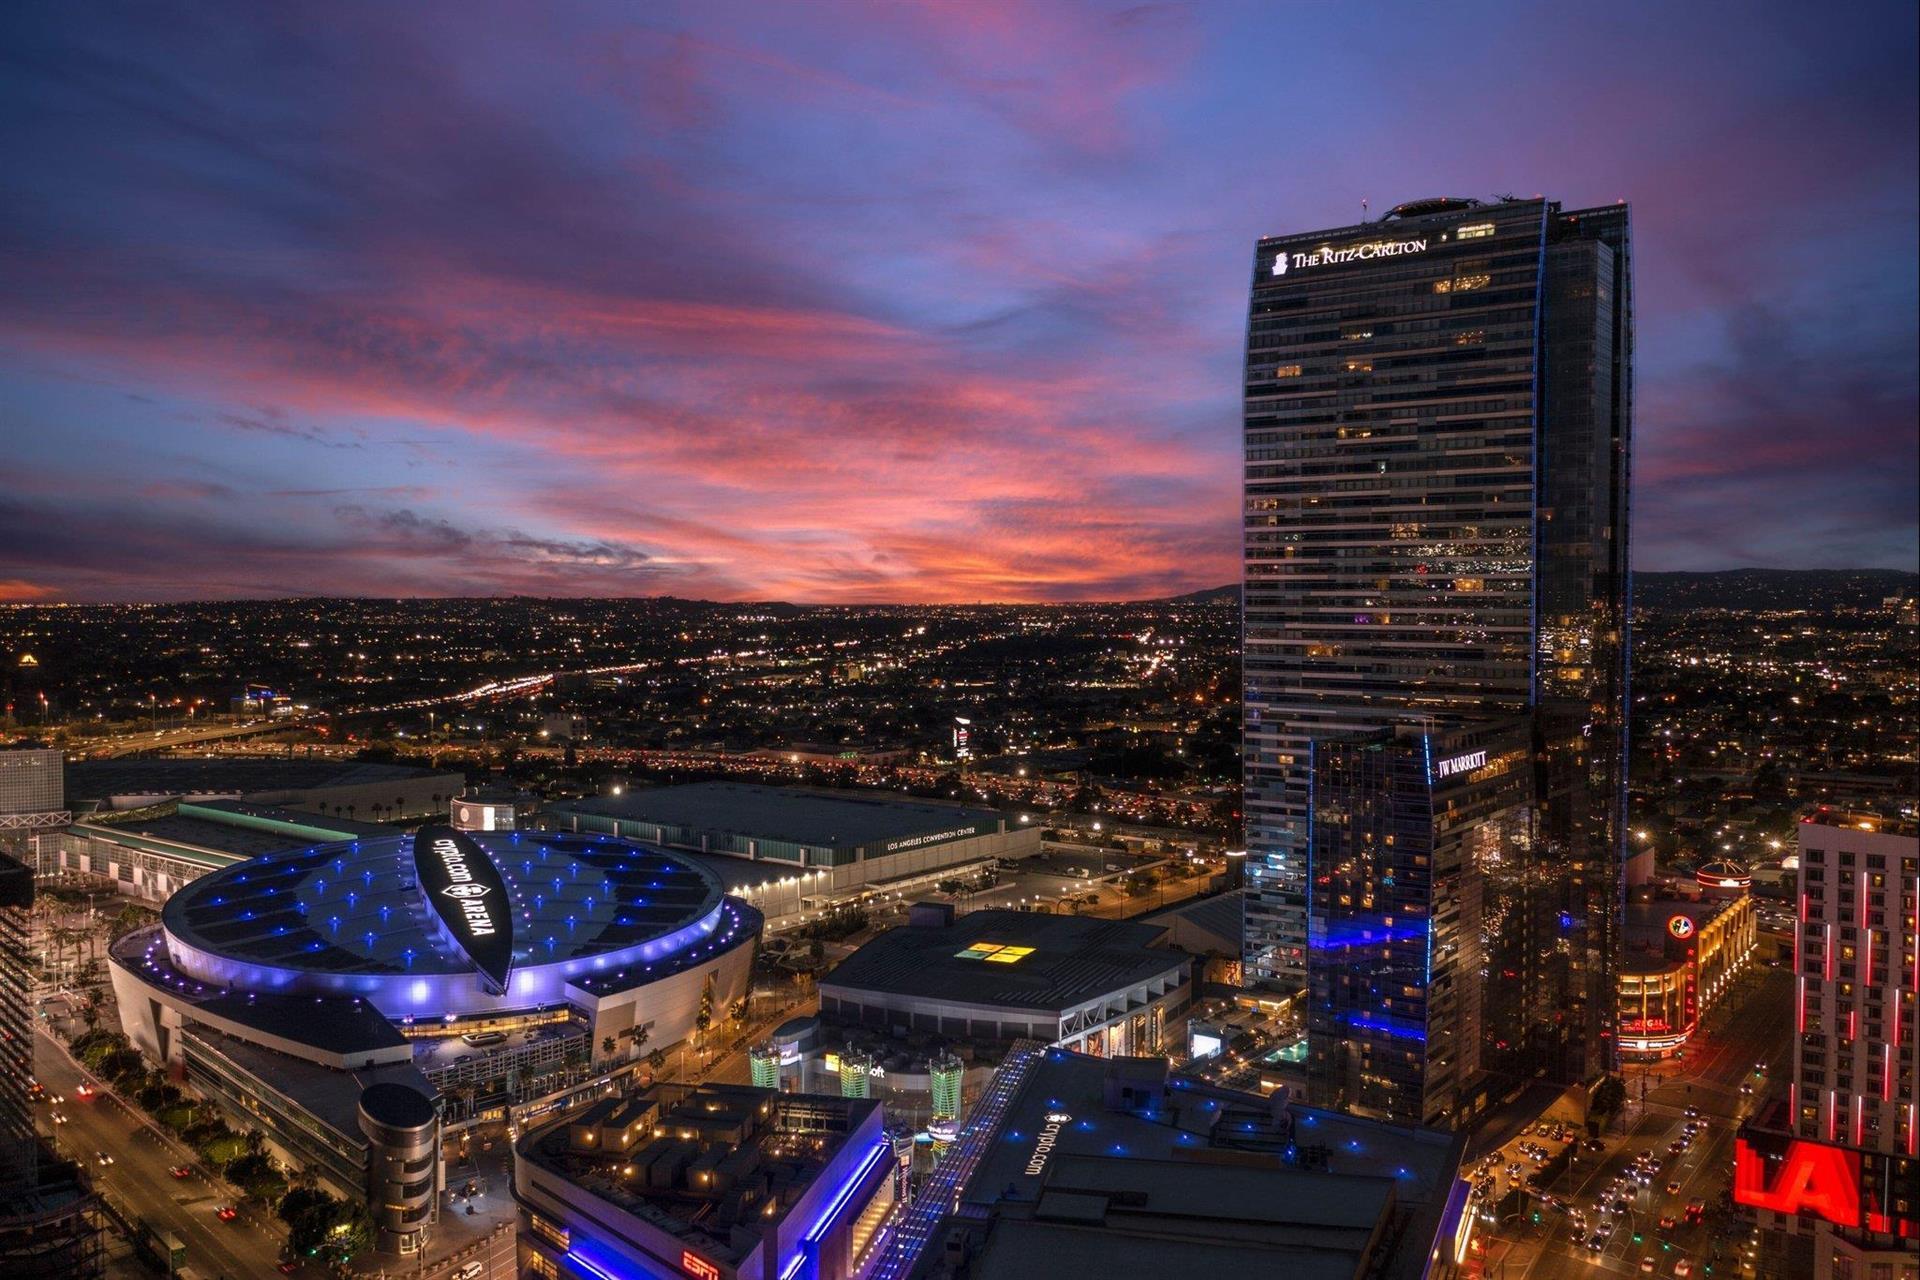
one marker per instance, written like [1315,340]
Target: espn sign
[698,1267]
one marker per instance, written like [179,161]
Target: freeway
[1720,1061]
[138,1181]
[114,745]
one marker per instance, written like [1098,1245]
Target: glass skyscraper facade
[1413,834]
[1437,430]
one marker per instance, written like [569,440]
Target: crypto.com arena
[454,927]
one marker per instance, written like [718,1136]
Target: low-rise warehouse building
[1103,987]
[153,853]
[791,850]
[336,788]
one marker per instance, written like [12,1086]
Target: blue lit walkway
[941,1194]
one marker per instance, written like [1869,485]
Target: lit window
[1286,371]
[1478,231]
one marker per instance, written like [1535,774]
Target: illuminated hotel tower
[1437,426]
[1834,1176]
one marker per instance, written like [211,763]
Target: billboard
[467,892]
[1844,1185]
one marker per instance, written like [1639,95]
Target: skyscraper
[1834,1173]
[1437,428]
[1409,827]
[16,1026]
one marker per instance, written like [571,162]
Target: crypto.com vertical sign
[467,892]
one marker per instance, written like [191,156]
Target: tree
[607,1047]
[308,1212]
[257,1176]
[704,1018]
[130,917]
[1609,1096]
[350,1232]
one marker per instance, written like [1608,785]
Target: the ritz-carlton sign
[1324,257]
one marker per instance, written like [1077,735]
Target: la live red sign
[1810,1177]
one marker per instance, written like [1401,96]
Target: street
[1719,1061]
[138,1181]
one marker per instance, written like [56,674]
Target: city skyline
[851,305]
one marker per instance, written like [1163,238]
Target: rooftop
[1648,921]
[357,906]
[1009,959]
[1877,823]
[233,828]
[1141,1171]
[100,779]
[1218,917]
[712,1165]
[797,814]
[333,1097]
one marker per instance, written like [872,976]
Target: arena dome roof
[443,918]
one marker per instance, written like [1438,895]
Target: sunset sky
[841,302]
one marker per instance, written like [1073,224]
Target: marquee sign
[467,892]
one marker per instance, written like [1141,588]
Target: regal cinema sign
[1328,256]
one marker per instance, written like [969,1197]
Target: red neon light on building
[698,1267]
[1813,1178]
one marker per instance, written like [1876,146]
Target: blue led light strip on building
[591,1268]
[942,1192]
[835,1207]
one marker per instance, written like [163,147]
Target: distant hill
[1229,594]
[1772,588]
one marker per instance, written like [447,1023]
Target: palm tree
[607,1047]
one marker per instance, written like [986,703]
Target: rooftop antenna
[1363,208]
